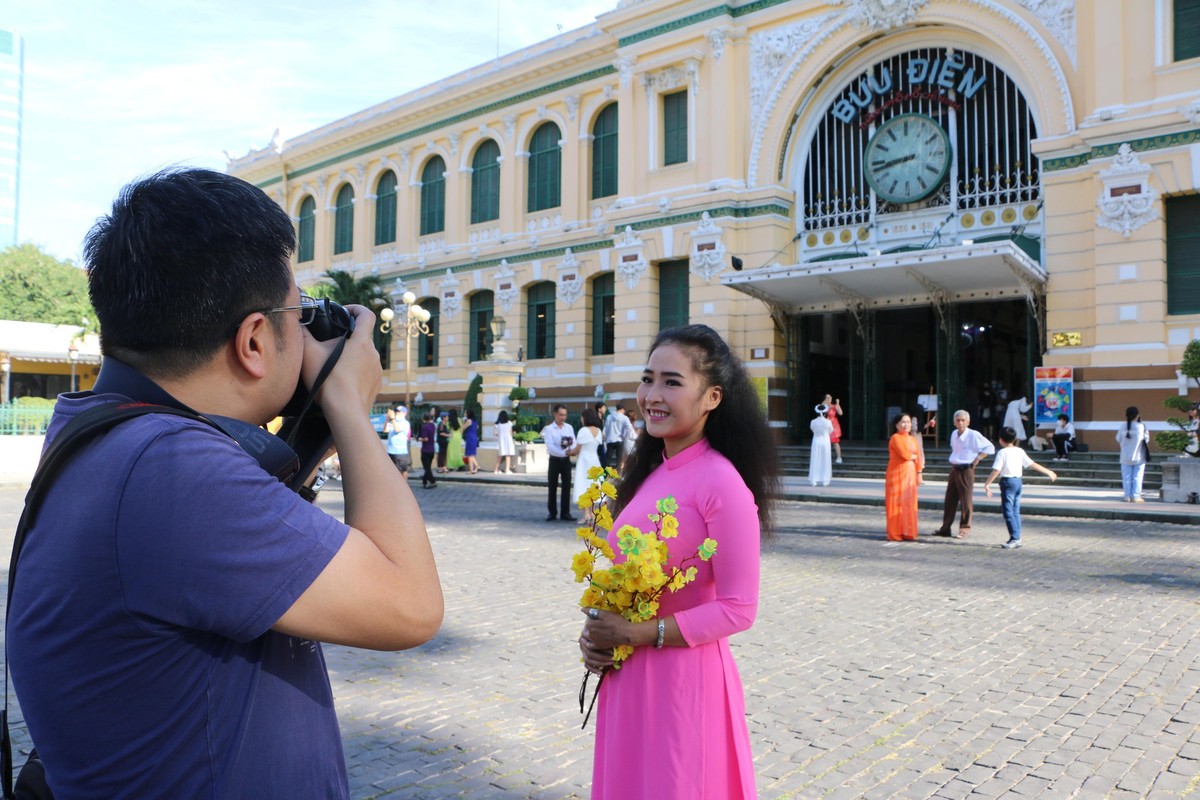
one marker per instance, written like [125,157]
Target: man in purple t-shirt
[164,626]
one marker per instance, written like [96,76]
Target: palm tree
[343,288]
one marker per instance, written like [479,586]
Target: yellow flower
[607,551]
[667,505]
[592,598]
[583,532]
[604,519]
[594,472]
[647,608]
[706,549]
[691,573]
[608,490]
[678,581]
[582,565]
[611,473]
[670,526]
[620,653]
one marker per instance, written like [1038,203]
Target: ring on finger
[594,613]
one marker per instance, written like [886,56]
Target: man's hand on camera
[357,377]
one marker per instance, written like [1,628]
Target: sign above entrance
[921,79]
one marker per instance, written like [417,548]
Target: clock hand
[896,161]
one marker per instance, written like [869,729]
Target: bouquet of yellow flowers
[633,587]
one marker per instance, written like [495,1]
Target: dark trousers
[427,478]
[613,452]
[560,469]
[1060,444]
[960,487]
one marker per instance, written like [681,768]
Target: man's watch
[309,493]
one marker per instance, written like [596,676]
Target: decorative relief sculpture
[569,286]
[631,260]
[451,299]
[707,258]
[1059,18]
[881,15]
[506,286]
[1127,200]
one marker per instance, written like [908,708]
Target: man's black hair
[184,256]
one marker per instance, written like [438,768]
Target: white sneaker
[838,461]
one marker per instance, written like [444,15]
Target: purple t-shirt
[139,636]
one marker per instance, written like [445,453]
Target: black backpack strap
[77,432]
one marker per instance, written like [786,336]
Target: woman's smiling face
[674,399]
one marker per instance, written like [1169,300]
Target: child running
[1010,461]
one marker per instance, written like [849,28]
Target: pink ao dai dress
[671,723]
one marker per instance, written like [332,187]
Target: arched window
[427,349]
[485,183]
[385,208]
[480,322]
[433,196]
[604,153]
[308,229]
[539,330]
[545,168]
[343,221]
[603,314]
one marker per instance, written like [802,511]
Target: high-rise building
[12,70]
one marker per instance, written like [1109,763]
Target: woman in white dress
[504,440]
[820,462]
[587,443]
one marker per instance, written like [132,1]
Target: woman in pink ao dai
[671,723]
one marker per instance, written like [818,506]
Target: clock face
[907,158]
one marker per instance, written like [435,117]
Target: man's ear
[250,344]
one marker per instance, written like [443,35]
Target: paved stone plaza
[940,669]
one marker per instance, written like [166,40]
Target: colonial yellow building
[880,199]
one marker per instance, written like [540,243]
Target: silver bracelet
[662,632]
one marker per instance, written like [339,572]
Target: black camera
[304,427]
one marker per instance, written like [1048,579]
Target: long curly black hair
[736,428]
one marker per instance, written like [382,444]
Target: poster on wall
[1054,388]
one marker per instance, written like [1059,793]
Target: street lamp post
[73,354]
[414,325]
[499,350]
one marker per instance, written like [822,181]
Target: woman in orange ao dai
[905,464]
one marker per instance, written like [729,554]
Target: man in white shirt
[560,444]
[967,448]
[617,428]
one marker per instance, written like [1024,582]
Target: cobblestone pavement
[941,669]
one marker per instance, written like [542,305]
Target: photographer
[560,446]
[164,625]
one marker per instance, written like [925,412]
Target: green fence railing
[20,421]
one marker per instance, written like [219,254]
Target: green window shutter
[482,304]
[308,229]
[673,296]
[603,315]
[427,349]
[485,183]
[1183,254]
[433,196]
[1187,29]
[675,127]
[343,221]
[604,153]
[545,168]
[385,208]
[539,332]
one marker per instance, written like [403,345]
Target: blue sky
[118,89]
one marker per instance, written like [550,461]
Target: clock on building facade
[907,158]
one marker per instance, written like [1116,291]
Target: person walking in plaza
[833,410]
[617,428]
[587,445]
[454,448]
[671,723]
[428,450]
[906,461]
[506,448]
[820,465]
[631,436]
[443,439]
[1063,437]
[399,431]
[470,441]
[1011,460]
[560,446]
[1135,451]
[164,631]
[967,449]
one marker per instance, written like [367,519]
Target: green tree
[343,288]
[37,287]
[1177,440]
[471,403]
